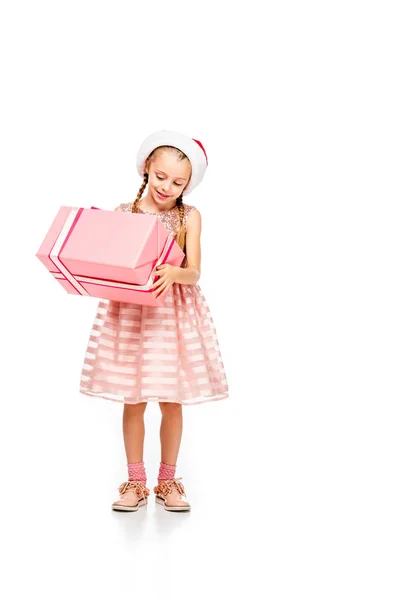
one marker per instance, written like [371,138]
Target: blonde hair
[180,237]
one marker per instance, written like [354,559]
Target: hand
[166,274]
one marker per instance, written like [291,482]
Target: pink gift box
[108,254]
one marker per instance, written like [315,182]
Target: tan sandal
[169,494]
[133,494]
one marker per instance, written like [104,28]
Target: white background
[294,480]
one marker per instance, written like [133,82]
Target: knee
[170,408]
[135,409]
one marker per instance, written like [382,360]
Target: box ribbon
[62,239]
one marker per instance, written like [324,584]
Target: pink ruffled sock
[137,472]
[166,472]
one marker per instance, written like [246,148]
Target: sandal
[133,494]
[169,494]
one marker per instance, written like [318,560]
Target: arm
[190,274]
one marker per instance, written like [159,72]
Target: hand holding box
[108,254]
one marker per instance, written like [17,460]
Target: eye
[178,184]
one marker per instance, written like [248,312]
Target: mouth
[161,195]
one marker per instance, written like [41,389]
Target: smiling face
[168,177]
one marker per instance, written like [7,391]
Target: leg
[133,493]
[133,428]
[170,490]
[170,431]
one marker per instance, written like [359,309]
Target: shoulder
[124,207]
[192,216]
[189,209]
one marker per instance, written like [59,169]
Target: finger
[161,291]
[160,273]
[165,290]
[158,282]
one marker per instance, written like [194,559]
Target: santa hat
[193,149]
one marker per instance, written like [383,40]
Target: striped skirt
[166,353]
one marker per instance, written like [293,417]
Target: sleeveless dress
[167,353]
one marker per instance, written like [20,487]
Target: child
[167,354]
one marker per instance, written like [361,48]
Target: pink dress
[166,353]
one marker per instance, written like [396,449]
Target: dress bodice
[170,218]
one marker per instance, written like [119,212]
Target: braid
[181,235]
[140,192]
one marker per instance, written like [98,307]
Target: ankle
[166,472]
[137,472]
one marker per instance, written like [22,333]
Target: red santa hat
[193,149]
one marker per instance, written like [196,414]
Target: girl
[167,354]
